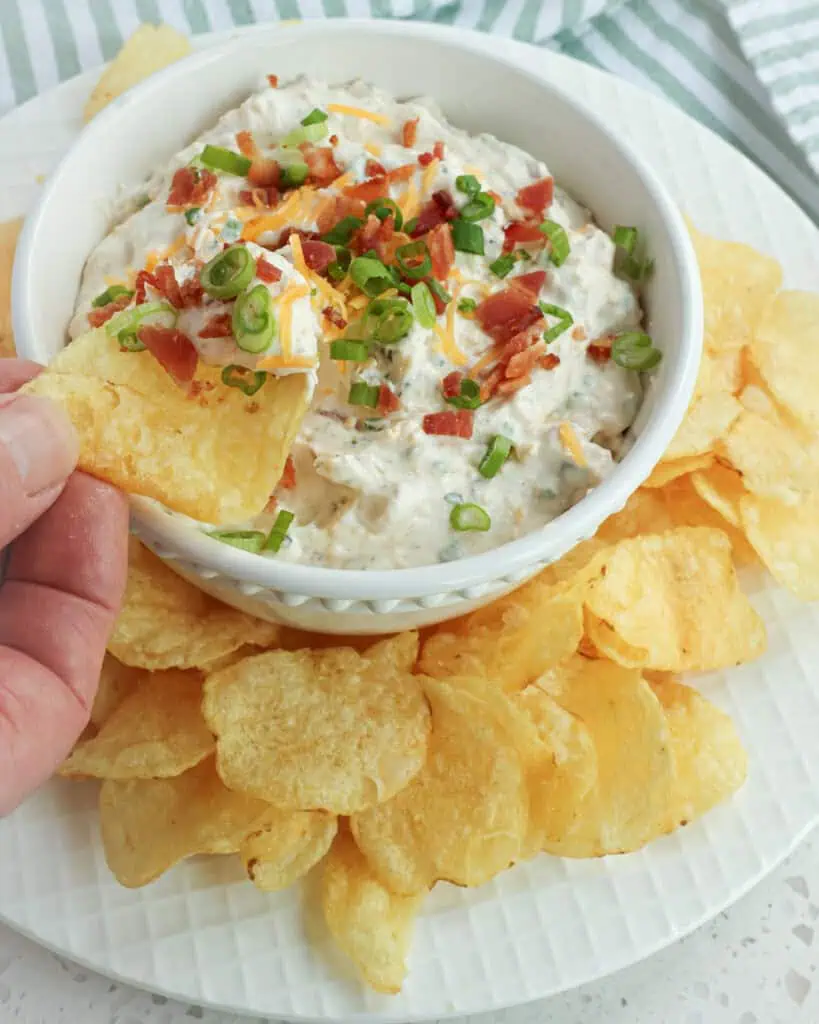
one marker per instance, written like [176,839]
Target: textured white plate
[203,934]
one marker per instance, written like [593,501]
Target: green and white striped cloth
[748,69]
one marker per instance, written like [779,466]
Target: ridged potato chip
[463,818]
[628,805]
[156,732]
[117,681]
[707,419]
[149,49]
[371,924]
[326,730]
[285,846]
[664,472]
[9,232]
[511,640]
[646,511]
[687,507]
[786,538]
[216,455]
[676,595]
[709,758]
[602,641]
[720,371]
[148,825]
[721,487]
[166,622]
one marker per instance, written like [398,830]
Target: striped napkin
[748,69]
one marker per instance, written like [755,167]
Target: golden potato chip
[9,232]
[463,818]
[326,730]
[149,824]
[646,511]
[709,758]
[628,804]
[676,595]
[602,641]
[720,371]
[511,640]
[786,538]
[149,49]
[721,487]
[737,284]
[784,352]
[285,846]
[371,924]
[687,508]
[156,732]
[215,455]
[563,775]
[117,681]
[707,419]
[664,472]
[166,622]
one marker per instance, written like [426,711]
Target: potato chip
[720,371]
[463,818]
[9,232]
[707,419]
[602,640]
[156,732]
[664,472]
[285,846]
[687,508]
[784,352]
[371,924]
[646,511]
[737,283]
[721,487]
[117,681]
[150,824]
[628,805]
[786,538]
[676,595]
[149,49]
[511,640]
[166,622]
[326,730]
[215,455]
[562,776]
[709,758]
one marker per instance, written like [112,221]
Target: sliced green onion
[469,396]
[559,247]
[129,342]
[305,133]
[192,215]
[219,159]
[625,238]
[467,237]
[278,531]
[337,270]
[342,232]
[253,321]
[496,454]
[479,207]
[387,321]
[371,276]
[634,350]
[247,381]
[414,259]
[384,208]
[161,313]
[349,351]
[467,305]
[293,175]
[228,273]
[315,116]
[502,265]
[111,294]
[247,540]
[439,291]
[411,225]
[423,305]
[468,516]
[636,270]
[627,263]
[564,320]
[468,184]
[362,393]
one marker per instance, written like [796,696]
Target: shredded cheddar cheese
[429,176]
[373,148]
[409,203]
[346,179]
[282,363]
[446,335]
[299,204]
[571,443]
[359,302]
[365,115]
[331,295]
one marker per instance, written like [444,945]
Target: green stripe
[288,9]
[717,24]
[62,39]
[241,12]
[380,8]
[447,14]
[148,10]
[526,24]
[787,51]
[573,13]
[197,15]
[795,80]
[773,22]
[107,32]
[489,15]
[804,113]
[14,42]
[573,46]
[334,8]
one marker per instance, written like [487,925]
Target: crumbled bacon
[167,284]
[537,197]
[266,271]
[425,159]
[521,232]
[599,353]
[374,234]
[260,197]
[490,383]
[441,251]
[508,387]
[453,423]
[341,207]
[288,477]
[507,313]
[522,364]
[244,140]
[173,350]
[550,361]
[264,172]
[273,81]
[451,384]
[219,326]
[102,314]
[388,401]
[333,140]
[192,291]
[321,164]
[409,132]
[191,186]
[368,190]
[438,150]
[439,210]
[531,283]
[402,173]
[375,169]
[143,279]
[318,255]
[285,236]
[335,318]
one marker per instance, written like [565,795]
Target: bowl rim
[181,539]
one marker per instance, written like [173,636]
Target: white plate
[204,935]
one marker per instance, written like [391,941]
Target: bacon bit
[441,251]
[402,173]
[342,206]
[219,326]
[372,188]
[508,387]
[490,385]
[519,343]
[375,169]
[167,284]
[273,81]
[522,364]
[495,195]
[438,150]
[143,279]
[192,291]
[425,159]
[505,314]
[335,318]
[272,504]
[173,350]
[264,172]
[197,388]
[439,210]
[409,132]
[284,238]
[451,384]
[579,333]
[101,315]
[191,187]
[321,163]
[550,361]
[388,401]
[244,140]
[318,255]
[537,197]
[520,232]
[455,423]
[288,477]
[266,271]
[531,283]
[260,197]
[390,246]
[599,353]
[375,234]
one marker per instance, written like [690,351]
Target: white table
[756,964]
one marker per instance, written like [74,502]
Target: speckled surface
[754,964]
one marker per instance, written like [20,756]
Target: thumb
[38,451]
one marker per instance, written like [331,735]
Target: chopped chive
[278,531]
[467,306]
[559,242]
[219,159]
[635,350]
[502,265]
[111,294]
[362,393]
[468,516]
[247,540]
[496,454]
[467,237]
[349,351]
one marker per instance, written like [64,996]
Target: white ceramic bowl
[147,125]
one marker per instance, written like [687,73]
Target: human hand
[64,579]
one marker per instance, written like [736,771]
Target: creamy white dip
[376,492]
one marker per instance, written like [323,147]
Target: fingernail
[40,440]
